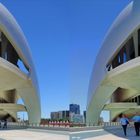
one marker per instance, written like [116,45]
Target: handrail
[64,124]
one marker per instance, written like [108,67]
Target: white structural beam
[11,77]
[118,108]
[116,112]
[104,80]
[103,95]
[122,105]
[12,107]
[124,76]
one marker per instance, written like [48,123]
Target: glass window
[126,53]
[124,57]
[139,42]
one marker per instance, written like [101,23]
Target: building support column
[135,38]
[4,44]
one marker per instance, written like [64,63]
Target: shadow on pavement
[130,133]
[116,132]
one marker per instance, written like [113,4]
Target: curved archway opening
[22,116]
[22,66]
[104,116]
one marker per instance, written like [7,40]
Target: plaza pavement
[39,134]
[30,134]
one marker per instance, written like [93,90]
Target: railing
[105,124]
[51,124]
[64,124]
[94,124]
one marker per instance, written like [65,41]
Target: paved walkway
[115,134]
[38,134]
[30,134]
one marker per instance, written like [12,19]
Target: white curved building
[115,80]
[14,83]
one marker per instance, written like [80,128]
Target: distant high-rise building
[54,115]
[60,115]
[84,115]
[74,108]
[64,114]
[76,118]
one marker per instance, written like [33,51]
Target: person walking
[5,124]
[0,124]
[136,120]
[124,122]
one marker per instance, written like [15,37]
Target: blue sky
[64,37]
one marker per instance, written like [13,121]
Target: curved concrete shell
[115,76]
[14,83]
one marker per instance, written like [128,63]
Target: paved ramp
[27,134]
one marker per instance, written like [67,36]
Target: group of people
[125,121]
[4,124]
